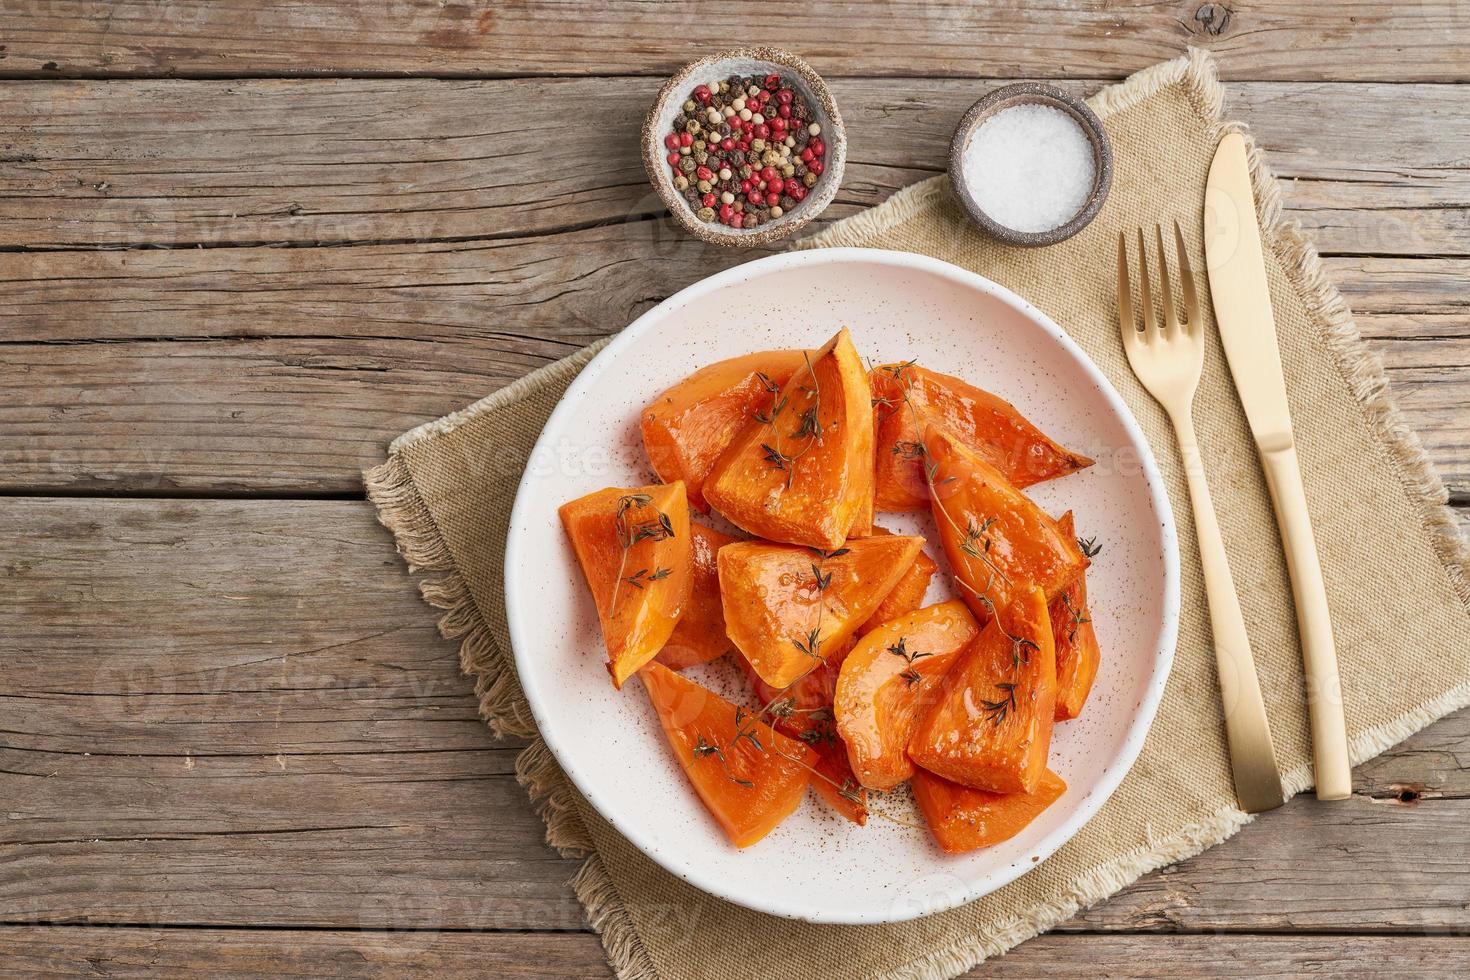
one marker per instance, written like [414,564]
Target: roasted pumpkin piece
[907,398]
[998,542]
[700,635]
[964,819]
[890,680]
[633,546]
[788,607]
[749,777]
[686,428]
[804,711]
[1078,654]
[907,595]
[801,471]
[992,728]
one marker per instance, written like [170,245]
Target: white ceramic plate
[816,866]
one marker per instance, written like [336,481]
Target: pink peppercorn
[784,96]
[773,198]
[727,144]
[702,94]
[806,155]
[672,141]
[708,200]
[773,81]
[686,139]
[704,173]
[754,196]
[818,147]
[816,167]
[674,159]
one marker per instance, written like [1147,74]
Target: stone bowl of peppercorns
[745,147]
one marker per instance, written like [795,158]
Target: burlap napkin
[1395,567]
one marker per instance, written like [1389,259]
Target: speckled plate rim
[523,641]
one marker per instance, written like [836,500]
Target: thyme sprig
[629,532]
[999,709]
[1077,617]
[901,649]
[808,426]
[1089,546]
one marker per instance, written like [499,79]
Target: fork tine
[1166,287]
[1191,300]
[1125,299]
[1145,291]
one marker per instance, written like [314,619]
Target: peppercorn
[744,151]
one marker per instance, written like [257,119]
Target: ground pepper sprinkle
[745,151]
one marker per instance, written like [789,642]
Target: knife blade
[1240,293]
[1242,299]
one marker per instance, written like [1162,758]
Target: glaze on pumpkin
[802,472]
[748,776]
[1078,654]
[686,428]
[992,728]
[997,541]
[907,595]
[805,713]
[964,819]
[782,620]
[890,680]
[987,425]
[700,635]
[640,590]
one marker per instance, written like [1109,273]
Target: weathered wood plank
[180,163]
[1286,39]
[52,951]
[288,370]
[236,713]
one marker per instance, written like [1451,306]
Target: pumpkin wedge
[788,607]
[1078,654]
[906,397]
[633,546]
[686,428]
[801,472]
[907,595]
[998,542]
[992,728]
[804,711]
[964,819]
[748,776]
[890,680]
[700,635]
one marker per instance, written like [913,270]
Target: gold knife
[1247,325]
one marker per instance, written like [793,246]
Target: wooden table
[242,245]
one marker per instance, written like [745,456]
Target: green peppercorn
[705,214]
[689,105]
[809,179]
[687,164]
[757,145]
[681,183]
[704,186]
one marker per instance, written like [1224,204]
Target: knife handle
[1247,729]
[1314,623]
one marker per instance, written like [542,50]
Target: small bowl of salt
[1031,164]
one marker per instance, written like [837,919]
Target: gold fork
[1168,357]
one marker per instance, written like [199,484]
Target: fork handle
[1314,623]
[1252,755]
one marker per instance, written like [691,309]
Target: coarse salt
[1029,167]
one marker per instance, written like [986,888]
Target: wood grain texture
[180,163]
[288,370]
[1284,39]
[256,953]
[237,713]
